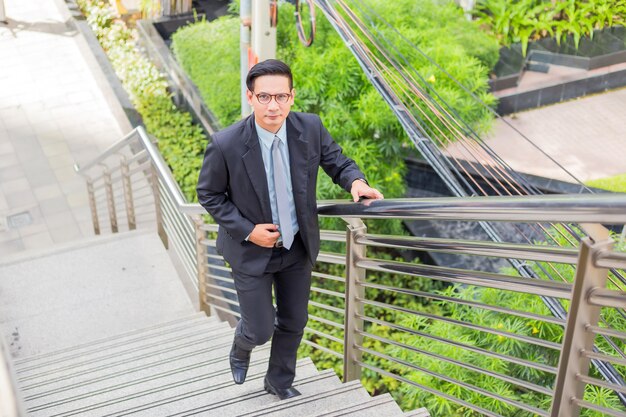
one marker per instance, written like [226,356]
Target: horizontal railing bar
[225,279]
[470,367]
[184,230]
[322,334]
[223,299]
[177,234]
[140,168]
[465,385]
[603,297]
[327,276]
[108,152]
[227,311]
[480,351]
[322,348]
[467,277]
[326,321]
[605,208]
[328,292]
[189,268]
[471,247]
[219,267]
[212,243]
[611,259]
[475,304]
[331,258]
[602,357]
[136,157]
[603,410]
[326,307]
[220,288]
[209,227]
[433,391]
[597,382]
[606,332]
[332,236]
[522,338]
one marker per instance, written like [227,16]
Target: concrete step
[419,412]
[228,399]
[96,348]
[138,392]
[92,289]
[348,394]
[209,348]
[120,354]
[380,406]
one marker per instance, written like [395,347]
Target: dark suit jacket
[232,185]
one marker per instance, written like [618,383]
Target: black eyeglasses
[281,98]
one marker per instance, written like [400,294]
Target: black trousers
[289,272]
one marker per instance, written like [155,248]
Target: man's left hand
[361,189]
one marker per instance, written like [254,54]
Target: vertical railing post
[154,179]
[92,205]
[108,186]
[354,308]
[202,264]
[128,194]
[581,315]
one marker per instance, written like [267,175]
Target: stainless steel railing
[369,311]
[11,404]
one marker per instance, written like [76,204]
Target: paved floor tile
[38,240]
[50,105]
[47,191]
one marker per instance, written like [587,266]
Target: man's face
[270,116]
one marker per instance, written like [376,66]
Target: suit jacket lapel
[298,157]
[253,161]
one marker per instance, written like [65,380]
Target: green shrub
[329,81]
[616,183]
[526,20]
[180,141]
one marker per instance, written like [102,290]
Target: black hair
[268,67]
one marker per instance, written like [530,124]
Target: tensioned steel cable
[470,145]
[422,138]
[543,229]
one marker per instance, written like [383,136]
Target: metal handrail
[11,403]
[206,268]
[595,208]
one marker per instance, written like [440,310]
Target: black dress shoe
[239,363]
[282,393]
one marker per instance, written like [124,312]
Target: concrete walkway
[586,136]
[52,114]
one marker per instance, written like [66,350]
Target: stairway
[71,316]
[180,368]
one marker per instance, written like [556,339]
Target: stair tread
[381,405]
[188,384]
[54,385]
[348,394]
[230,399]
[123,348]
[43,358]
[420,412]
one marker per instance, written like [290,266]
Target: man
[258,181]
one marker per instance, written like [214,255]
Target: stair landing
[87,290]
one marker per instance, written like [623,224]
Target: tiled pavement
[52,115]
[586,136]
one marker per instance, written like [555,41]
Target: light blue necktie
[282,199]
